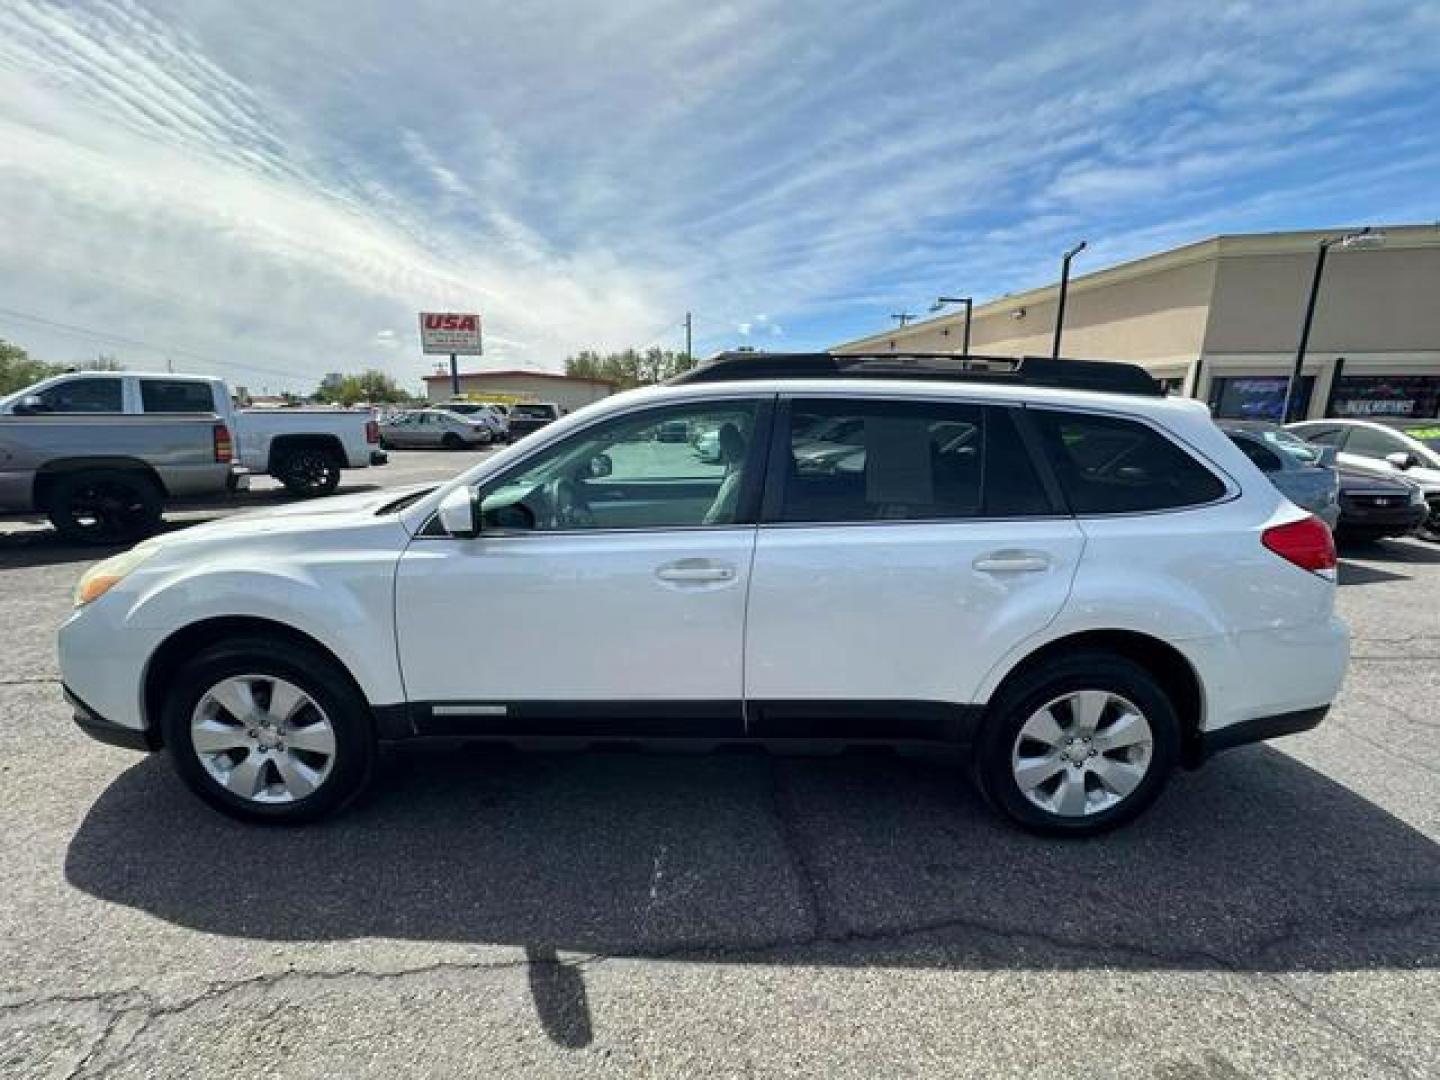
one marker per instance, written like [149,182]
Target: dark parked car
[529,416]
[1374,505]
[1304,473]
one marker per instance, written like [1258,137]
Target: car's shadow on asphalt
[1256,863]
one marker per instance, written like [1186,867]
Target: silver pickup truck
[105,478]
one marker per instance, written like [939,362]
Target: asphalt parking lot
[489,913]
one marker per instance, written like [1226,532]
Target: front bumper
[107,731]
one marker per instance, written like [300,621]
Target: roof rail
[1112,376]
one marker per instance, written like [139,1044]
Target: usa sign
[447,332]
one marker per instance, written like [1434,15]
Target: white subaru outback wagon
[1079,581]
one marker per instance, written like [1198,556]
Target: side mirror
[29,405]
[1325,456]
[1401,459]
[457,513]
[601,466]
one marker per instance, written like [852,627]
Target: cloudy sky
[271,191]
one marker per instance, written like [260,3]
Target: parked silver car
[1304,473]
[432,429]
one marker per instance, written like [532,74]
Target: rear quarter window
[1109,465]
[176,396]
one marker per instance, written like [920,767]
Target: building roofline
[1224,245]
[521,372]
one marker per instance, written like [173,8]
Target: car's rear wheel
[309,471]
[451,441]
[269,732]
[104,506]
[1079,746]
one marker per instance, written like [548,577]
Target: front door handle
[1012,562]
[695,572]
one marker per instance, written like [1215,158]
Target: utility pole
[1064,287]
[454,378]
[688,353]
[902,317]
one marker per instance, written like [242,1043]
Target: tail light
[224,448]
[1307,543]
[372,431]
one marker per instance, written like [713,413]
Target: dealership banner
[446,333]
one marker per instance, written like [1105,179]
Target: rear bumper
[1260,729]
[107,731]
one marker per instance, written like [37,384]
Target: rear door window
[1109,465]
[176,396]
[856,460]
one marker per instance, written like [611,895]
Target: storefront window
[1257,397]
[1386,395]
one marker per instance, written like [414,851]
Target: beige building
[566,391]
[1220,319]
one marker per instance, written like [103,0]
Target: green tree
[373,386]
[18,370]
[629,368]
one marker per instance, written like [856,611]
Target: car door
[597,621]
[906,544]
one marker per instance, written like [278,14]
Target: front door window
[678,467]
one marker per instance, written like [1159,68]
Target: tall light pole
[688,326]
[1365,238]
[941,301]
[1064,287]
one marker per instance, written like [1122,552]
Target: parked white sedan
[430,429]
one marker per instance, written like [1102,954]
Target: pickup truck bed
[105,478]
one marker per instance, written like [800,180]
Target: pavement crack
[808,877]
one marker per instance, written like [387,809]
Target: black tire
[313,672]
[1031,691]
[308,471]
[104,506]
[451,441]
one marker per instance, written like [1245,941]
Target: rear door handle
[695,572]
[1012,562]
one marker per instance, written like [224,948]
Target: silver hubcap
[263,739]
[1082,753]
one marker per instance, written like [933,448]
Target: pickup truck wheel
[308,471]
[1078,746]
[106,506]
[267,731]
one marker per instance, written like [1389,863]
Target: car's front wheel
[269,732]
[1078,746]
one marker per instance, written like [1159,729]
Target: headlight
[1417,496]
[104,576]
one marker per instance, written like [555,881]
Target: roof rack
[1112,376]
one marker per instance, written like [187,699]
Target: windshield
[533,412]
